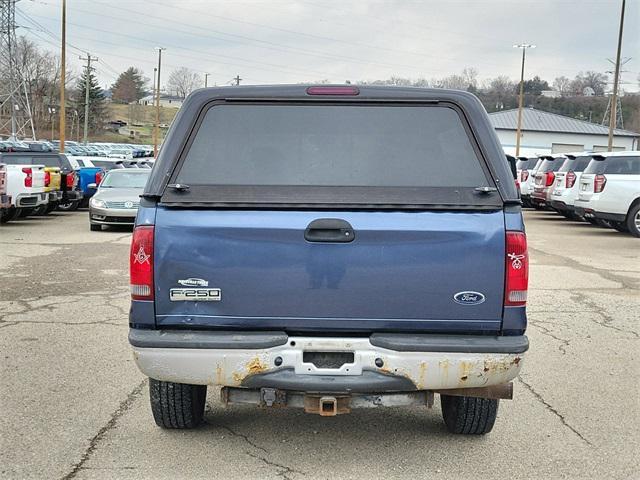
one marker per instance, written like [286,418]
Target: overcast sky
[291,41]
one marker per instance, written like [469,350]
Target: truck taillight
[517,270]
[71,179]
[524,175]
[599,182]
[98,178]
[141,263]
[28,180]
[549,178]
[570,179]
[47,179]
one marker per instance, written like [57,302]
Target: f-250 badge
[195,295]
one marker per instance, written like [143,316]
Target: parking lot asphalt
[74,405]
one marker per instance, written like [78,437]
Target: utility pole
[616,79]
[63,68]
[89,59]
[156,131]
[206,78]
[237,80]
[524,47]
[15,110]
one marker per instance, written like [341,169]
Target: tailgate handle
[329,230]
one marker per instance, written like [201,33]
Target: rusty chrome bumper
[373,369]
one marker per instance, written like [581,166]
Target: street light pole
[616,78]
[206,78]
[156,136]
[524,47]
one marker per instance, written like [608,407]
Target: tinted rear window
[615,166]
[526,164]
[332,146]
[577,164]
[551,165]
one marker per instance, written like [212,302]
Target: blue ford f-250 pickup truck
[330,248]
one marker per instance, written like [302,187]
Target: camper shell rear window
[358,154]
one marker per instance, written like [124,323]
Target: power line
[251,63]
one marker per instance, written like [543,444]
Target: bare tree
[562,84]
[589,80]
[467,80]
[183,81]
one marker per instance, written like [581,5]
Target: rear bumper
[55,196]
[616,217]
[31,200]
[381,363]
[562,206]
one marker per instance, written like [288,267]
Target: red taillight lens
[333,91]
[98,178]
[524,175]
[549,178]
[570,179]
[47,179]
[28,180]
[598,183]
[517,270]
[141,263]
[71,179]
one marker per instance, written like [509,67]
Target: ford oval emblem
[468,298]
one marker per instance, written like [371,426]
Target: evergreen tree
[130,86]
[97,103]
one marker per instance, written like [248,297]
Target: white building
[544,132]
[165,101]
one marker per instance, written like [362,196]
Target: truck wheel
[68,206]
[95,228]
[9,214]
[177,405]
[41,210]
[633,220]
[469,415]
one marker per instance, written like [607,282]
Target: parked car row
[38,182]
[113,150]
[601,188]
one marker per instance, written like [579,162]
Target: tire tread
[469,415]
[177,405]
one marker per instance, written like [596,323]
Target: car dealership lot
[75,406]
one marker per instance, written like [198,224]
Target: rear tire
[41,210]
[469,415]
[9,214]
[69,206]
[177,405]
[633,220]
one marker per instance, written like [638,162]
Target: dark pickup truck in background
[330,248]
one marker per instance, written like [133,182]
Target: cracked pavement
[75,407]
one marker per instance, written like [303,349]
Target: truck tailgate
[401,272]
